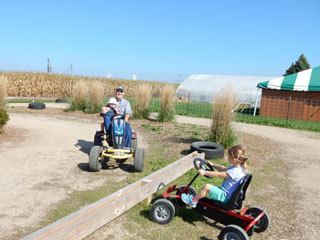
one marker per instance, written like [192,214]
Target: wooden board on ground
[80,224]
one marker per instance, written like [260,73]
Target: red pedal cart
[240,223]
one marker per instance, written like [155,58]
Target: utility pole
[71,68]
[49,67]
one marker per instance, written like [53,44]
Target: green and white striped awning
[308,80]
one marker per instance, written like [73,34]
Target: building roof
[307,80]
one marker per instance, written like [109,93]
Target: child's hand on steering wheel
[201,172]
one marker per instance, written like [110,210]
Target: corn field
[49,85]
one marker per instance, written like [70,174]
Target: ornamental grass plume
[142,101]
[222,117]
[166,112]
[95,97]
[3,90]
[79,98]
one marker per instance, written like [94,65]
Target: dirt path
[301,151]
[43,159]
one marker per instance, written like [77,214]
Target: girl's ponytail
[239,153]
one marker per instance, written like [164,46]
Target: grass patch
[22,100]
[152,128]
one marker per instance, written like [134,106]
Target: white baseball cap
[113,101]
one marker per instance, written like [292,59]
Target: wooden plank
[90,218]
[146,201]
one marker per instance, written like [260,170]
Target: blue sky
[160,40]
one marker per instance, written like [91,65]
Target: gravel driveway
[44,158]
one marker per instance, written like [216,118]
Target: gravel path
[44,158]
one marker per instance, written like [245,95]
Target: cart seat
[235,202]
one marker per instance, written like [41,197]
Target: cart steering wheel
[200,163]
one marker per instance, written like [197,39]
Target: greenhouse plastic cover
[203,88]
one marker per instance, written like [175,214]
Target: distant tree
[300,65]
[291,70]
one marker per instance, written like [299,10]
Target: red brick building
[296,96]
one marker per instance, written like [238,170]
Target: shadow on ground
[85,146]
[188,215]
[105,167]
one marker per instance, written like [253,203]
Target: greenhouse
[203,88]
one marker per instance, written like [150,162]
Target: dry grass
[30,84]
[222,116]
[142,101]
[3,89]
[167,104]
[95,96]
[79,97]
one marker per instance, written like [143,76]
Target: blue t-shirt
[229,185]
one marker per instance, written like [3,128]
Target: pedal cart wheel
[233,232]
[162,211]
[139,159]
[263,222]
[95,158]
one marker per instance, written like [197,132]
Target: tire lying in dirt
[37,105]
[139,159]
[61,100]
[210,149]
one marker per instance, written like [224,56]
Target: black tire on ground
[134,143]
[210,149]
[162,211]
[233,232]
[97,139]
[61,100]
[190,191]
[37,105]
[95,161]
[263,223]
[139,159]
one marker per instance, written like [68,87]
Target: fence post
[188,101]
[288,109]
[256,104]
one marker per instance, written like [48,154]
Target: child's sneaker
[188,199]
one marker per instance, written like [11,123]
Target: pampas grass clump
[222,116]
[166,112]
[79,98]
[142,101]
[95,97]
[3,90]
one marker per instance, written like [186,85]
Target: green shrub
[4,117]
